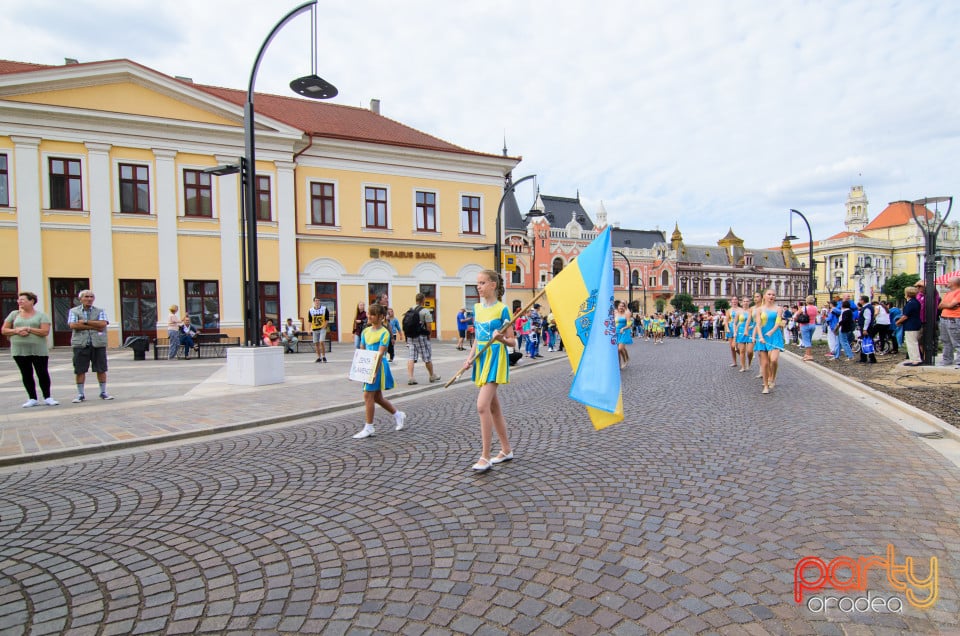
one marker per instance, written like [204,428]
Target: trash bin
[140,346]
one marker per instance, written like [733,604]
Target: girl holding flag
[491,320]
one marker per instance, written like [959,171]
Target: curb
[227,428]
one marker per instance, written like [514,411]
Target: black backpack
[411,324]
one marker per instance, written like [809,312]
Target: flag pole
[513,318]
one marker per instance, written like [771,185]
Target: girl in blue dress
[730,326]
[769,335]
[624,325]
[376,337]
[491,368]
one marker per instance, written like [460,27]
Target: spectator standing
[289,337]
[867,322]
[806,318]
[418,344]
[883,325]
[173,332]
[896,331]
[27,330]
[911,323]
[845,325]
[950,322]
[536,325]
[319,317]
[89,343]
[922,297]
[359,323]
[463,321]
[393,325]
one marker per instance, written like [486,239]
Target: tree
[660,305]
[721,304]
[895,285]
[683,302]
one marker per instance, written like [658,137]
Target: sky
[709,114]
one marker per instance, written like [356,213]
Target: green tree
[722,304]
[660,305]
[683,302]
[895,285]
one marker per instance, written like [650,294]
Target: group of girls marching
[756,327]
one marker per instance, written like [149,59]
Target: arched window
[635,277]
[665,279]
[616,277]
[557,266]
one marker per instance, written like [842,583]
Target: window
[426,211]
[197,195]
[557,266]
[322,204]
[470,214]
[376,206]
[134,189]
[9,292]
[263,199]
[138,308]
[203,303]
[665,278]
[4,182]
[516,277]
[471,297]
[616,277]
[270,303]
[65,190]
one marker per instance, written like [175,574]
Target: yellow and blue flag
[581,298]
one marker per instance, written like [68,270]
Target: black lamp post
[629,277]
[311,86]
[811,285]
[510,187]
[930,224]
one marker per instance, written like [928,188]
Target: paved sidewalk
[164,400]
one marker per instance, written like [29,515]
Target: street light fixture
[810,285]
[629,277]
[930,224]
[311,86]
[511,186]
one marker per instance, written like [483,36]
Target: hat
[536,305]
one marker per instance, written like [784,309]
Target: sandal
[482,465]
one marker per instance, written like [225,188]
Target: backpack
[411,324]
[803,318]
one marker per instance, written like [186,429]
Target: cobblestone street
[688,518]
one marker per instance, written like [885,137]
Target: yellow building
[102,186]
[861,258]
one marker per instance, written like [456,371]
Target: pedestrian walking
[463,321]
[89,342]
[376,337]
[491,319]
[416,329]
[27,330]
[393,326]
[319,317]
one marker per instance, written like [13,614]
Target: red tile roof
[311,116]
[897,213]
[845,234]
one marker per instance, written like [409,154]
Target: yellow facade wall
[127,98]
[10,254]
[199,257]
[66,254]
[135,256]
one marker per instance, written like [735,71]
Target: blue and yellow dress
[732,324]
[372,339]
[624,335]
[773,341]
[492,365]
[744,327]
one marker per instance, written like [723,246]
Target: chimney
[68,61]
[183,78]
[375,105]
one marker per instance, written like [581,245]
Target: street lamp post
[511,186]
[310,86]
[930,224]
[811,291]
[629,276]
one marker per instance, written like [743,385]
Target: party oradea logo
[854,575]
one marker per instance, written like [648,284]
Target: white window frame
[363,208]
[11,180]
[45,181]
[272,222]
[115,180]
[483,214]
[214,196]
[336,204]
[437,215]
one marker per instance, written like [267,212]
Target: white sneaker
[367,431]
[50,402]
[401,418]
[30,403]
[80,398]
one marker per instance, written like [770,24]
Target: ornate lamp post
[930,224]
[629,276]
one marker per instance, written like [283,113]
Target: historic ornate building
[711,272]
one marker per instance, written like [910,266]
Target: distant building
[543,241]
[712,272]
[861,258]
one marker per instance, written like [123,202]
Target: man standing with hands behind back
[950,322]
[89,342]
